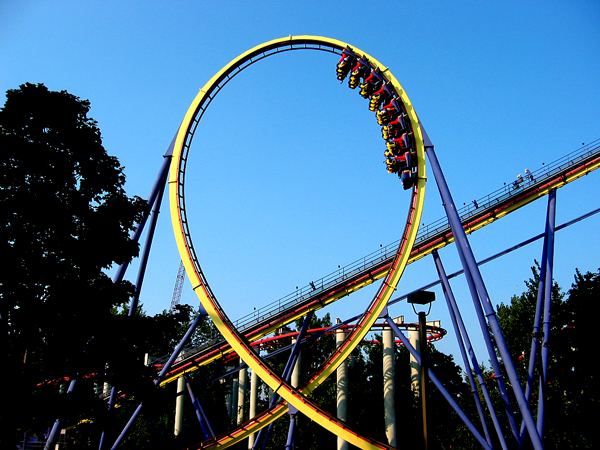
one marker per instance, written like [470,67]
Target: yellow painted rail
[239,343]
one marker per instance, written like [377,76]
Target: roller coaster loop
[367,65]
[407,145]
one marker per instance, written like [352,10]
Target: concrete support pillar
[389,386]
[179,405]
[342,388]
[242,380]
[253,399]
[234,397]
[415,368]
[295,380]
[228,392]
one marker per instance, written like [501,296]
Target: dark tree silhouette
[571,392]
[65,219]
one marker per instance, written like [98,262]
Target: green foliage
[365,396]
[571,392]
[64,219]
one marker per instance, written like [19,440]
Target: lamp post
[423,298]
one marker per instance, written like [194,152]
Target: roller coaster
[406,148]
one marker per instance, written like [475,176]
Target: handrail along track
[433,236]
[238,341]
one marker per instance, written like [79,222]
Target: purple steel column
[206,428]
[471,265]
[158,185]
[287,373]
[481,317]
[464,340]
[56,425]
[289,445]
[547,304]
[155,192]
[535,335]
[164,370]
[439,385]
[146,252]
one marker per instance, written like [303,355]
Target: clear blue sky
[287,180]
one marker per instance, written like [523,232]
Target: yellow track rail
[418,252]
[239,343]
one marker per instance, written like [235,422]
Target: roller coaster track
[377,83]
[414,177]
[374,266]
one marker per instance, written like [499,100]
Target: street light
[422,298]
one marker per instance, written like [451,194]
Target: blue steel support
[161,375]
[439,385]
[464,340]
[289,445]
[539,308]
[287,373]
[496,256]
[289,368]
[158,186]
[547,305]
[111,401]
[155,192]
[146,252]
[131,421]
[498,374]
[56,425]
[470,265]
[204,423]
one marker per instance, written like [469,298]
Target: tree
[571,393]
[65,219]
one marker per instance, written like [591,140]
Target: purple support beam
[204,423]
[289,445]
[111,402]
[287,373]
[439,385]
[163,372]
[470,265]
[464,341]
[498,373]
[159,184]
[549,264]
[156,192]
[146,252]
[56,425]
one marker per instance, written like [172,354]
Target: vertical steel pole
[289,445]
[424,369]
[161,375]
[547,305]
[440,386]
[146,252]
[204,424]
[56,425]
[179,406]
[242,381]
[471,265]
[464,341]
[547,252]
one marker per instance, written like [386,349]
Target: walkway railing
[386,253]
[426,232]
